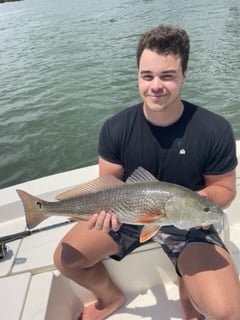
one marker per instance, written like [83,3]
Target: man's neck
[165,117]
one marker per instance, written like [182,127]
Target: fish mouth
[205,225]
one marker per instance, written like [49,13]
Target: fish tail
[33,208]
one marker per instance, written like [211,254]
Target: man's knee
[227,313]
[67,259]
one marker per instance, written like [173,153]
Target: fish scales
[127,202]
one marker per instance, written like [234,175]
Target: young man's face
[160,79]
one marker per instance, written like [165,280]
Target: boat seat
[52,296]
[12,295]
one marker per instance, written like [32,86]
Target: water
[67,65]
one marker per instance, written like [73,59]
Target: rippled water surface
[67,65]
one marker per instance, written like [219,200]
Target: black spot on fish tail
[33,207]
[39,204]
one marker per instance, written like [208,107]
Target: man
[177,142]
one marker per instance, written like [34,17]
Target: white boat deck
[31,288]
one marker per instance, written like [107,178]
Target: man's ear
[185,74]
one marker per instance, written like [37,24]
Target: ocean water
[67,65]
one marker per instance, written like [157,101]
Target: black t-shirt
[199,143]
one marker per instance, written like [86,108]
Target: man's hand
[203,193]
[104,222]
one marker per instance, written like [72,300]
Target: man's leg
[211,281]
[189,312]
[78,257]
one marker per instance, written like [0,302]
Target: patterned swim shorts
[171,239]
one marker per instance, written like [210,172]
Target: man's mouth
[157,96]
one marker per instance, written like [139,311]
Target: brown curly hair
[165,39]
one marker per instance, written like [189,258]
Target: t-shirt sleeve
[222,151]
[108,143]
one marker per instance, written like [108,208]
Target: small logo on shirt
[182,151]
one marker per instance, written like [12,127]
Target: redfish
[141,200]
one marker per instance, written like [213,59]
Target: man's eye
[147,78]
[167,77]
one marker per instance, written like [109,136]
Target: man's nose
[156,83]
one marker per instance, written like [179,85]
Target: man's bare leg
[189,312]
[78,257]
[106,303]
[211,281]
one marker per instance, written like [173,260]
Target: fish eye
[206,209]
[39,205]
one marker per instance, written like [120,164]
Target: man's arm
[107,167]
[221,189]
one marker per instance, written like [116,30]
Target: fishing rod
[26,233]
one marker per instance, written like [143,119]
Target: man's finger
[92,221]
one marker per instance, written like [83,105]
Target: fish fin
[150,217]
[101,183]
[32,206]
[148,232]
[141,175]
